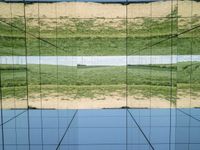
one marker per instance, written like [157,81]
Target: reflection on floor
[103,129]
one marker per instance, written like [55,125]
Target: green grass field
[102,37]
[83,81]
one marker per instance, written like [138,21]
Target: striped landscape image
[100,54]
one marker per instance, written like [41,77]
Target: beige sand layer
[97,10]
[85,103]
[188,8]
[64,102]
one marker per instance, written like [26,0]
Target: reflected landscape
[100,75]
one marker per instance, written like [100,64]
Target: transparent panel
[20,63]
[184,70]
[48,64]
[101,76]
[139,62]
[161,78]
[33,48]
[195,80]
[67,67]
[13,71]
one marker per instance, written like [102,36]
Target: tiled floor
[103,129]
